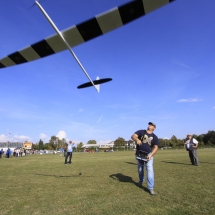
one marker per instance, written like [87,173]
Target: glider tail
[97,86]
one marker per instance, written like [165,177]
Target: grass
[105,183]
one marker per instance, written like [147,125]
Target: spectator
[20,152]
[191,145]
[8,153]
[2,152]
[17,152]
[69,152]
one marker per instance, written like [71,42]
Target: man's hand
[138,142]
[149,157]
[153,152]
[134,137]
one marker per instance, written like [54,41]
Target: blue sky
[162,66]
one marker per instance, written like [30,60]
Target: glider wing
[77,34]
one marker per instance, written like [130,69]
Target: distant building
[129,144]
[101,146]
[27,145]
[11,145]
[14,145]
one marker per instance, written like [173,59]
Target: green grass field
[42,184]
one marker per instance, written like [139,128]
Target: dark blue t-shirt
[148,141]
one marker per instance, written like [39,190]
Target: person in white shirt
[69,152]
[192,145]
[17,152]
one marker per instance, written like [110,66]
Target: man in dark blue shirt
[147,145]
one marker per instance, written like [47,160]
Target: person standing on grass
[17,152]
[69,152]
[147,142]
[8,153]
[1,153]
[191,145]
[20,152]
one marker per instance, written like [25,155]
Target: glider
[83,32]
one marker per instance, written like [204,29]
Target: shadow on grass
[131,163]
[171,162]
[64,176]
[206,162]
[124,178]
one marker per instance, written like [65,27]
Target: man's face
[151,128]
[189,137]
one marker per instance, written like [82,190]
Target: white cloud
[189,100]
[3,138]
[20,138]
[61,135]
[15,138]
[44,137]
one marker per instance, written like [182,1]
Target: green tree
[91,142]
[40,145]
[162,142]
[79,146]
[181,144]
[53,142]
[209,138]
[174,141]
[119,142]
[200,138]
[62,143]
[35,146]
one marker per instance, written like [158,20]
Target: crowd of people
[18,152]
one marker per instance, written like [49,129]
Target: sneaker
[152,192]
[140,183]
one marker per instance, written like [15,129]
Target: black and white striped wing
[77,34]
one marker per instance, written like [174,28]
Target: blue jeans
[149,170]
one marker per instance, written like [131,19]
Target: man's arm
[155,148]
[196,144]
[135,138]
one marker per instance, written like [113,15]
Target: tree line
[205,140]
